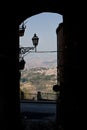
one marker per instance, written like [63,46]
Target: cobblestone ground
[38,125]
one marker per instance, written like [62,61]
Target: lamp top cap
[35,37]
[35,34]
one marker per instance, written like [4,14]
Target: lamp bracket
[23,50]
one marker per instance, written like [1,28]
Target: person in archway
[39,97]
[22,95]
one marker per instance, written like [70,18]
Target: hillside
[38,79]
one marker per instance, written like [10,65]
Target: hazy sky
[44,25]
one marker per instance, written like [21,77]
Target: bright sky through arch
[44,25]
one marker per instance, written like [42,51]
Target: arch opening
[40,73]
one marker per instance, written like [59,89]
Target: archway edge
[40,7]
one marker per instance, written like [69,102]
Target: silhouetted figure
[22,64]
[39,97]
[33,98]
[22,95]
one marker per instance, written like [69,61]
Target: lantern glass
[35,40]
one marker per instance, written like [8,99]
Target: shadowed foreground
[38,124]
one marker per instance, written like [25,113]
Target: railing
[36,96]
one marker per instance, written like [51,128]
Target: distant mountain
[45,61]
[40,74]
[51,63]
[38,79]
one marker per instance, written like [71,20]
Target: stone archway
[58,104]
[70,105]
[74,26]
